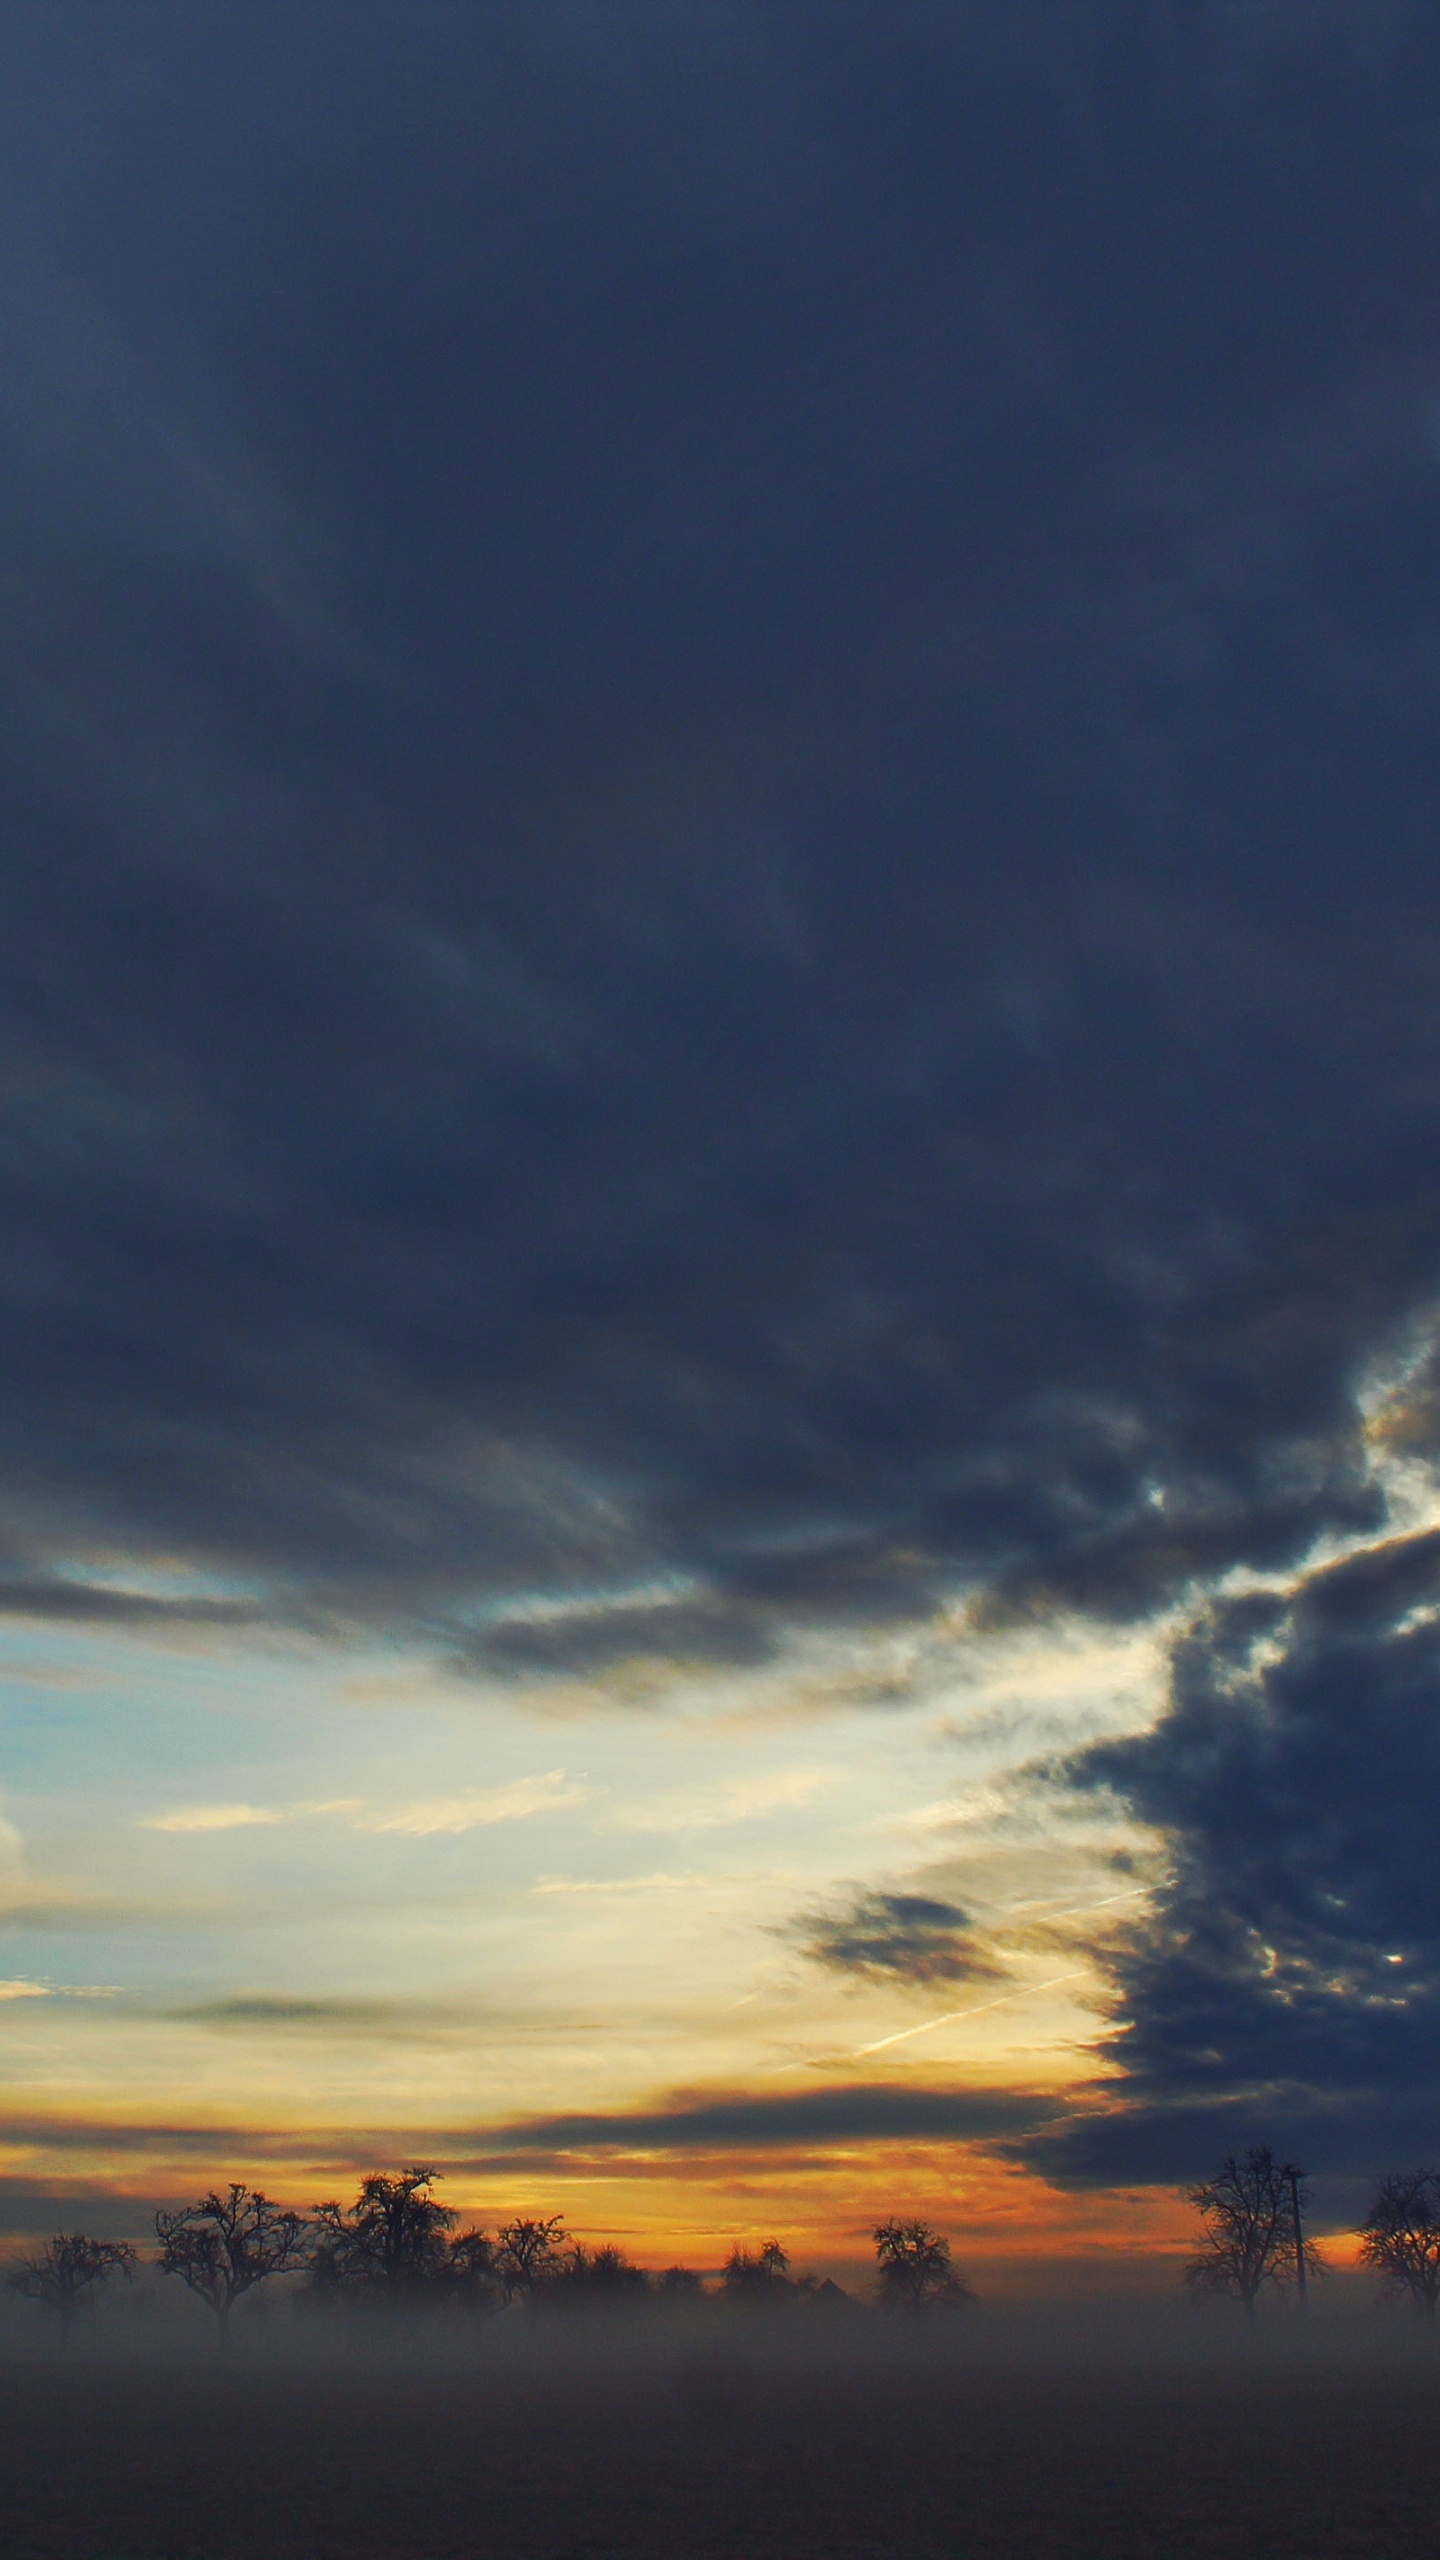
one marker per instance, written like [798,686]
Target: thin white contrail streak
[1023,1992]
[1077,1910]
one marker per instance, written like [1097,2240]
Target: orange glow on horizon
[1010,2230]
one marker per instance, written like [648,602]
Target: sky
[720,1067]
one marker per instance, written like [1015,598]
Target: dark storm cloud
[906,1937]
[58,1598]
[1290,1976]
[742,1618]
[595,1640]
[722,801]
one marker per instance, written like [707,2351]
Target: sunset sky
[720,1110]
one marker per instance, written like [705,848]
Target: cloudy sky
[720,1062]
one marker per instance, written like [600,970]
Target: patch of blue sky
[590,1891]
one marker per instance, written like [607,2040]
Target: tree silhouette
[1401,2236]
[68,2274]
[676,2285]
[529,2253]
[224,2246]
[915,2269]
[1251,2210]
[469,2272]
[761,2281]
[395,2240]
[601,2279]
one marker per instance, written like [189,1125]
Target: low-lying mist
[1086,2432]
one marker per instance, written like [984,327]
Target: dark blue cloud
[686,2121]
[906,1937]
[813,2116]
[1290,1976]
[722,800]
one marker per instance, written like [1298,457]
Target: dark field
[718,2450]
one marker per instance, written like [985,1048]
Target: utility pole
[1294,2176]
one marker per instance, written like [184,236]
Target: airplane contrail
[1023,1991]
[1076,1910]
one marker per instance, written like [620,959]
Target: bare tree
[68,2274]
[915,2269]
[529,2253]
[1253,2229]
[1401,2236]
[397,2242]
[394,2236]
[224,2246]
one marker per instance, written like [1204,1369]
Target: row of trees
[1253,2232]
[398,2244]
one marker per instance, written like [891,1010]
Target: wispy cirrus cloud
[468,1809]
[230,1817]
[728,1800]
[624,1886]
[474,1808]
[244,1816]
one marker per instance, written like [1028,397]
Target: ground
[710,2451]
